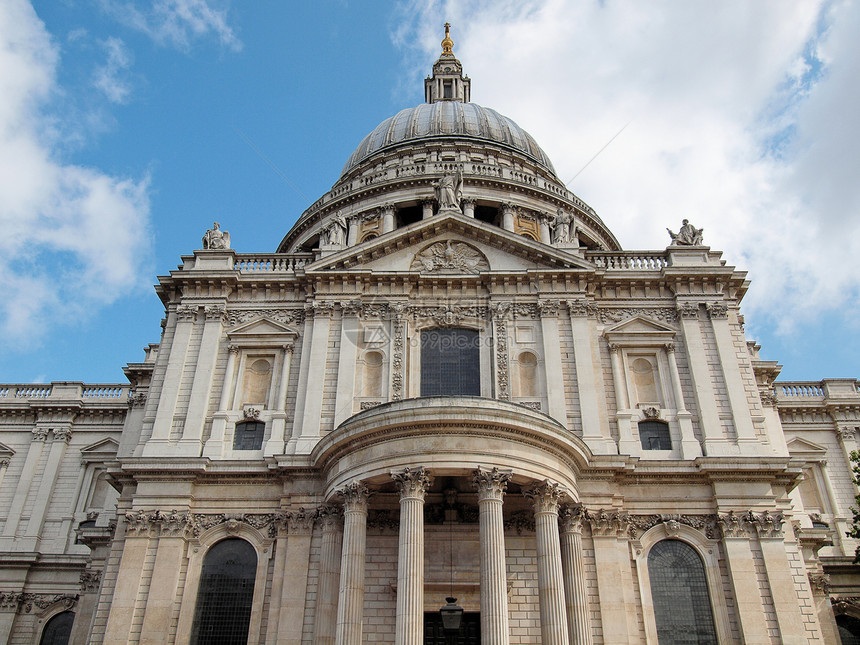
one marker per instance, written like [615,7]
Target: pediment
[641,331]
[103,450]
[5,451]
[449,244]
[798,446]
[261,326]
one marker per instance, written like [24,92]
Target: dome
[448,119]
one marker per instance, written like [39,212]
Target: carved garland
[397,357]
[285,316]
[500,315]
[191,525]
[24,602]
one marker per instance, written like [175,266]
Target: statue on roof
[216,239]
[336,231]
[688,235]
[561,227]
[449,192]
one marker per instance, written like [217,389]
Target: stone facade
[283,407]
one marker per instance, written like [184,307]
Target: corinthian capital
[412,482]
[355,496]
[491,484]
[572,518]
[545,496]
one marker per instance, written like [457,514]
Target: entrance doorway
[469,634]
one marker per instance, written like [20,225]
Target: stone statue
[336,231]
[561,227]
[215,238]
[689,235]
[449,192]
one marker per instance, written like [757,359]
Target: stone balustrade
[65,391]
[626,261]
[274,263]
[791,391]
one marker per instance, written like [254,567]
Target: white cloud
[112,77]
[177,23]
[72,238]
[742,118]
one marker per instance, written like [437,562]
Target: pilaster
[215,444]
[690,446]
[275,444]
[22,489]
[62,434]
[321,313]
[294,575]
[346,365]
[614,575]
[556,399]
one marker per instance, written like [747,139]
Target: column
[590,388]
[62,436]
[349,331]
[201,387]
[690,446]
[709,417]
[409,625]
[312,410]
[13,517]
[491,485]
[353,222]
[553,614]
[215,444]
[275,444]
[426,208]
[627,445]
[295,575]
[331,518]
[744,577]
[556,398]
[468,207]
[508,218]
[350,606]
[573,568]
[731,367]
[183,324]
[543,221]
[387,218]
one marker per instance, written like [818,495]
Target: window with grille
[58,630]
[225,595]
[679,591]
[450,362]
[654,435]
[249,435]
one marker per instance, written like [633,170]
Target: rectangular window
[450,362]
[448,89]
[249,435]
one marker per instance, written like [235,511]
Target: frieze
[182,524]
[450,258]
[447,315]
[26,602]
[367,405]
[608,523]
[350,307]
[462,513]
[844,604]
[749,524]
[525,310]
[285,316]
[374,310]
[531,405]
[609,316]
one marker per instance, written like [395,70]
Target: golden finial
[447,43]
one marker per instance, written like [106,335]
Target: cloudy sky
[128,126]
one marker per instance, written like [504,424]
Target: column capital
[688,310]
[491,484]
[4,463]
[288,348]
[572,518]
[847,434]
[355,496]
[216,312]
[412,482]
[62,434]
[330,517]
[717,310]
[186,313]
[545,496]
[548,308]
[40,434]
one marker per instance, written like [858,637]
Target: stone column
[573,568]
[183,321]
[553,615]
[295,575]
[353,223]
[215,444]
[409,626]
[387,213]
[491,485]
[426,208]
[690,446]
[350,606]
[543,221]
[469,207]
[508,217]
[201,387]
[275,444]
[731,368]
[331,518]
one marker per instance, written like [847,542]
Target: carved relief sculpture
[450,258]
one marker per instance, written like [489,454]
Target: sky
[128,126]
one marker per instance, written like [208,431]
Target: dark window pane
[679,590]
[58,629]
[450,362]
[849,630]
[249,435]
[469,634]
[223,610]
[654,435]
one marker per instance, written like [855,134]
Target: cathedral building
[448,408]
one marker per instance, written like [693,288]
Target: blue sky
[127,127]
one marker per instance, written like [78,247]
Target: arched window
[654,435]
[58,629]
[223,610]
[249,435]
[679,592]
[450,362]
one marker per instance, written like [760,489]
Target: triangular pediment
[449,244]
[103,450]
[798,446]
[639,324]
[261,326]
[639,331]
[5,451]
